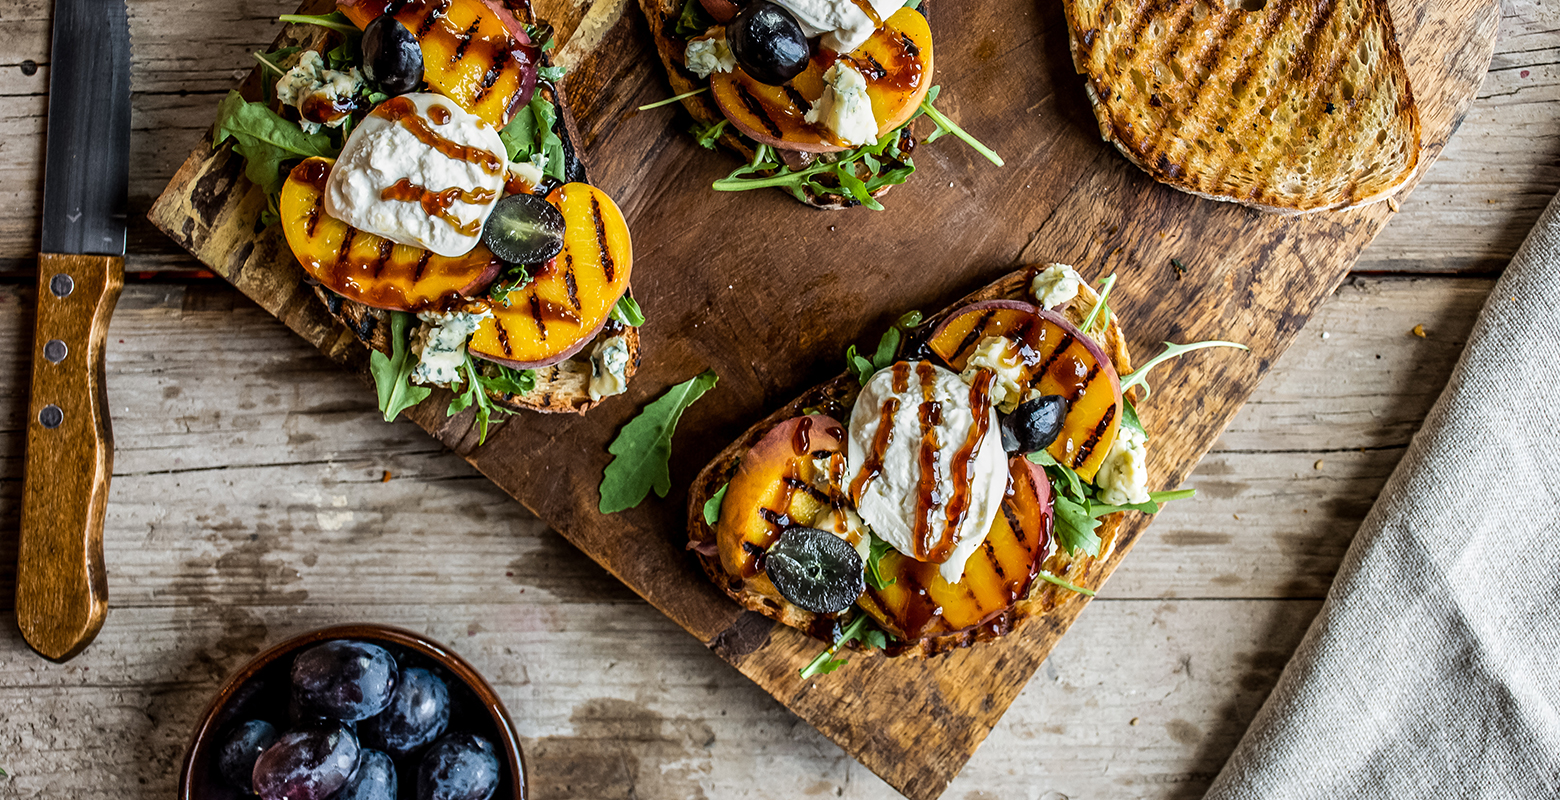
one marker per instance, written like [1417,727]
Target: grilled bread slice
[662,16]
[1289,106]
[758,593]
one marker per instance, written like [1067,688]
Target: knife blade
[61,585]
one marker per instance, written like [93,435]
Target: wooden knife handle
[61,586]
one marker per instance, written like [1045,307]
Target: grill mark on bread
[1250,62]
[1212,62]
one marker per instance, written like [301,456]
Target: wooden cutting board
[769,293]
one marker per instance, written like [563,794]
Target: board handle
[61,585]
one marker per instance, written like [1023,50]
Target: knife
[61,586]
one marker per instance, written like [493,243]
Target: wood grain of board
[715,270]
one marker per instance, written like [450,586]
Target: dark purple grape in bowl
[419,711]
[460,766]
[310,763]
[237,754]
[344,680]
[374,779]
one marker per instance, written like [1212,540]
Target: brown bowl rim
[438,651]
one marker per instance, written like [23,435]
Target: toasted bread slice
[758,594]
[563,387]
[1289,107]
[662,16]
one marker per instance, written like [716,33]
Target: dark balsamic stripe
[756,108]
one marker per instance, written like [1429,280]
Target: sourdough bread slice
[672,47]
[1289,106]
[835,396]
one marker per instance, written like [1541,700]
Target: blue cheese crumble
[1123,476]
[440,345]
[1056,285]
[609,368]
[705,56]
[312,79]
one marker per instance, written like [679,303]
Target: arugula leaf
[512,281]
[335,21]
[474,393]
[519,136]
[1074,526]
[693,19]
[506,380]
[627,311]
[552,73]
[887,350]
[1129,417]
[1139,377]
[1065,584]
[392,373]
[877,548]
[265,139]
[547,141]
[1070,483]
[708,135]
[945,125]
[841,168]
[670,100]
[269,61]
[712,506]
[856,630]
[1099,306]
[1156,501]
[643,447]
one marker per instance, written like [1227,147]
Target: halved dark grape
[310,763]
[344,680]
[237,754]
[418,713]
[768,42]
[815,569]
[460,766]
[392,56]
[1034,425]
[524,229]
[374,779]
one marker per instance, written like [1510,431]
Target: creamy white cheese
[841,23]
[1056,285]
[1123,475]
[529,172]
[888,503]
[992,354]
[608,367]
[705,56]
[382,153]
[845,107]
[440,345]
[310,78]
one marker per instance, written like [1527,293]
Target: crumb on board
[1419,330]
[385,478]
[1317,465]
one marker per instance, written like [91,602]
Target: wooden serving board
[769,293]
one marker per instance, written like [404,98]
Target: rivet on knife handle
[61,587]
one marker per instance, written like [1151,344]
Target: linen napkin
[1433,669]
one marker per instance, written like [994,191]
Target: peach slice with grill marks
[572,295]
[369,269]
[1057,359]
[917,602]
[475,52]
[776,487]
[897,65]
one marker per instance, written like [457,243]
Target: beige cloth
[1433,669]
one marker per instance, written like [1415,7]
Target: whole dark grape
[374,779]
[310,763]
[344,680]
[460,766]
[392,56]
[419,711]
[769,43]
[239,749]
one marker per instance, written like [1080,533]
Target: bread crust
[662,16]
[1160,131]
[758,593]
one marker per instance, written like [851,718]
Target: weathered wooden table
[256,494]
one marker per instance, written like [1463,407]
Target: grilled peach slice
[917,602]
[369,269]
[896,61]
[1058,359]
[572,295]
[775,487]
[474,51]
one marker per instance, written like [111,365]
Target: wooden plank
[1079,203]
[638,710]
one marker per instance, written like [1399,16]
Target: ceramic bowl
[260,689]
